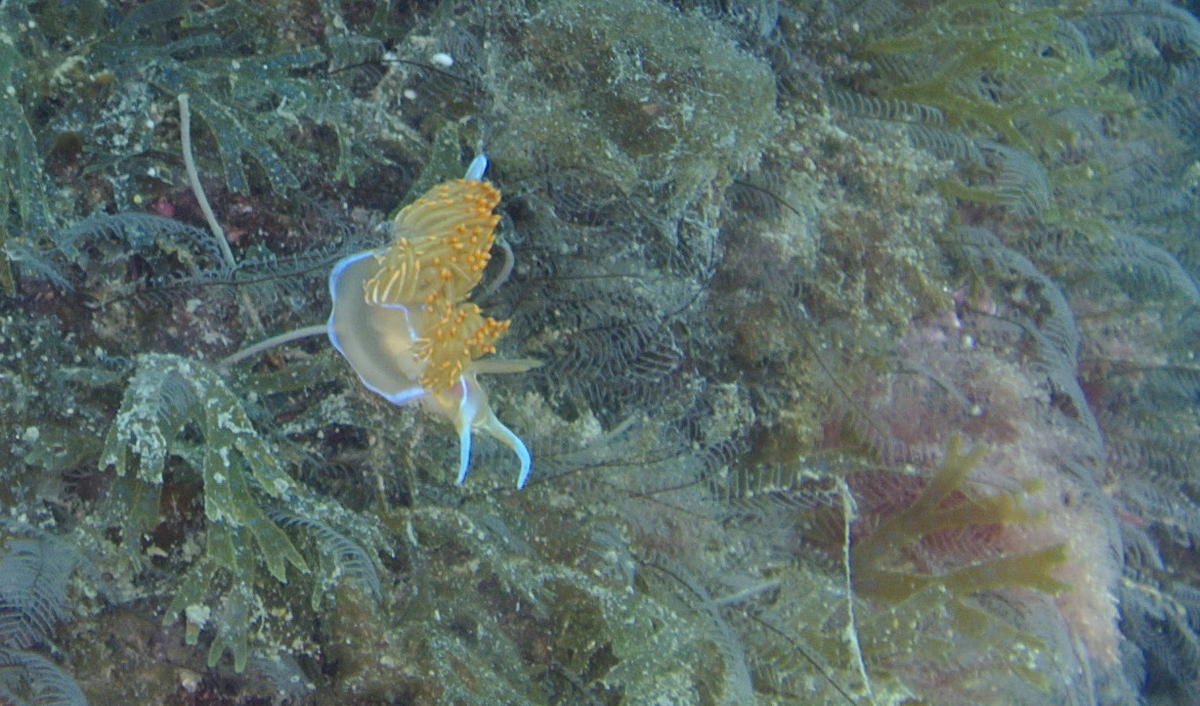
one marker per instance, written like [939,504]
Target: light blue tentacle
[477,167]
[467,409]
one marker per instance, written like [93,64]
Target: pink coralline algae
[952,380]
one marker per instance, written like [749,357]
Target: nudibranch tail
[400,315]
[506,436]
[474,414]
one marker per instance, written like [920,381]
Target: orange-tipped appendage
[442,244]
[459,334]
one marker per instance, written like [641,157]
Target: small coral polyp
[400,316]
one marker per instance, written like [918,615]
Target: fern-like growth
[238,88]
[29,678]
[33,590]
[22,187]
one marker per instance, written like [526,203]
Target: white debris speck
[189,680]
[442,59]
[197,614]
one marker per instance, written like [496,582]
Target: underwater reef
[849,352]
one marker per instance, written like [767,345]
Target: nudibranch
[402,320]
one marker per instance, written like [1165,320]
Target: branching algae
[179,407]
[956,612]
